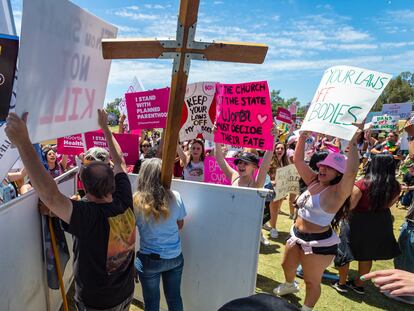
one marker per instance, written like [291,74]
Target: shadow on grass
[266,285]
[269,249]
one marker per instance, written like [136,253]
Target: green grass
[270,274]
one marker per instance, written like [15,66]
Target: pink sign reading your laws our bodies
[244,115]
[128,142]
[147,109]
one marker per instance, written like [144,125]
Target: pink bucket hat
[336,161]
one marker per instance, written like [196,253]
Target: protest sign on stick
[129,144]
[147,109]
[293,108]
[9,46]
[384,123]
[62,74]
[287,181]
[283,115]
[199,111]
[345,95]
[403,111]
[244,115]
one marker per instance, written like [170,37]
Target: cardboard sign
[9,46]
[345,95]
[384,123]
[287,181]
[147,109]
[198,114]
[403,111]
[70,145]
[62,74]
[244,115]
[283,115]
[129,144]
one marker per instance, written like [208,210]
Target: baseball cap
[336,161]
[97,154]
[248,158]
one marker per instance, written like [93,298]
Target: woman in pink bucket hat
[313,243]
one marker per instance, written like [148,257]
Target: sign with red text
[70,145]
[198,112]
[345,95]
[244,115]
[283,115]
[62,74]
[213,173]
[384,123]
[129,144]
[147,109]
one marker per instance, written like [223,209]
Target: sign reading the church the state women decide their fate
[244,115]
[62,74]
[147,109]
[9,46]
[345,95]
[199,111]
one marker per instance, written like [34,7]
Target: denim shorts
[324,250]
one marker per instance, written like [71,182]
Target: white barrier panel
[220,242]
[23,284]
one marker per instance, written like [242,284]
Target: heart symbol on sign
[262,119]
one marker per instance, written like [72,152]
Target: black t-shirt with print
[104,248]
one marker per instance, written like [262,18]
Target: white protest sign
[8,155]
[136,86]
[345,95]
[198,99]
[384,123]
[287,181]
[403,111]
[62,74]
[404,141]
[6,18]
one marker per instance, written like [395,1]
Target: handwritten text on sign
[147,109]
[198,100]
[62,75]
[384,123]
[244,115]
[287,181]
[128,142]
[345,95]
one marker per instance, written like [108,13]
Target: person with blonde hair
[160,216]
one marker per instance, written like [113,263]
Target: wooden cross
[181,50]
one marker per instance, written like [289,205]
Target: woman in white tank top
[193,162]
[313,243]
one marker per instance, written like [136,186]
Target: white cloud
[348,34]
[275,18]
[157,6]
[217,2]
[133,8]
[136,16]
[396,44]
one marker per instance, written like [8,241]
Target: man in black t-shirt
[103,226]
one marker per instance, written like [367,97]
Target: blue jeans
[171,271]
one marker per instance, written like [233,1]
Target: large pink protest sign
[244,115]
[147,109]
[213,173]
[283,115]
[129,144]
[70,145]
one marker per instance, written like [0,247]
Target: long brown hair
[276,163]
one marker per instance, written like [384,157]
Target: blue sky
[304,37]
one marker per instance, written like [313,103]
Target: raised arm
[264,168]
[41,180]
[307,174]
[114,150]
[183,157]
[230,173]
[14,176]
[121,121]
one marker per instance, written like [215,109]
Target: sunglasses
[145,146]
[97,157]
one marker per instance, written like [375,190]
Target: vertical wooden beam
[187,18]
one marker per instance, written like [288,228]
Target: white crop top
[194,171]
[310,209]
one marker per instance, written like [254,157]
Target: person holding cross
[103,226]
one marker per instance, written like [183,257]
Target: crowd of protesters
[347,191]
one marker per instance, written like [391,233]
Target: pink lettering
[90,98]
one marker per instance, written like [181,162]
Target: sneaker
[284,289]
[267,227]
[264,241]
[357,289]
[340,288]
[273,233]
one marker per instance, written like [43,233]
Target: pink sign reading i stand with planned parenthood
[244,115]
[129,144]
[70,145]
[147,109]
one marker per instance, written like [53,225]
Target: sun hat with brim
[336,161]
[97,154]
[248,158]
